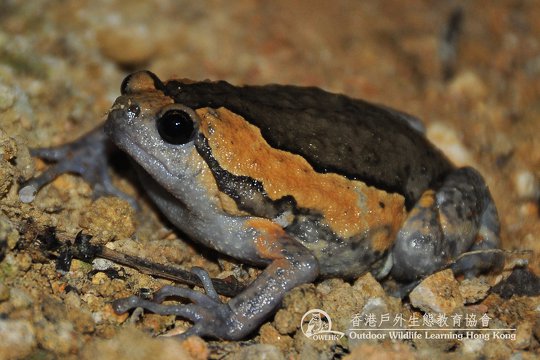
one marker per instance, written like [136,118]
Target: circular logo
[316,324]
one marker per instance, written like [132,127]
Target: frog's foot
[460,218]
[86,156]
[210,316]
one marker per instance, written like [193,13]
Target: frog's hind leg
[459,218]
[290,264]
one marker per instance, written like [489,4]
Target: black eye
[175,127]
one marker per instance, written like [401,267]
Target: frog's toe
[475,262]
[209,316]
[51,154]
[194,296]
[189,311]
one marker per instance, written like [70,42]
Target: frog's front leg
[291,264]
[459,218]
[86,156]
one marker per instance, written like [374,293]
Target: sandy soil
[61,65]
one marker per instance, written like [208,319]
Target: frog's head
[157,133]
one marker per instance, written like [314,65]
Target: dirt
[61,65]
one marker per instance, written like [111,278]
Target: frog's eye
[176,126]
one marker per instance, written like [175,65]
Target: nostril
[133,111]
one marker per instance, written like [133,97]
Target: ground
[470,70]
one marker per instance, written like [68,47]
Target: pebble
[4,292]
[386,350]
[269,335]
[8,234]
[524,333]
[130,343]
[7,97]
[448,140]
[100,264]
[527,185]
[20,299]
[259,351]
[18,339]
[127,45]
[472,346]
[109,215]
[438,293]
[473,290]
[469,86]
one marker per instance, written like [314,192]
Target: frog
[303,183]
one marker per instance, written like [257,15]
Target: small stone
[8,236]
[448,140]
[259,351]
[523,335]
[269,335]
[108,216]
[473,290]
[196,347]
[20,299]
[527,185]
[369,287]
[296,303]
[284,322]
[24,261]
[469,86]
[4,292]
[385,350]
[100,278]
[58,337]
[100,264]
[7,97]
[127,45]
[438,293]
[472,346]
[536,328]
[7,173]
[18,339]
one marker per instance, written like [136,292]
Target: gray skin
[379,146]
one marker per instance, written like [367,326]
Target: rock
[134,345]
[438,293]
[7,97]
[524,333]
[449,141]
[473,290]
[386,350]
[469,86]
[108,216]
[269,335]
[527,185]
[127,45]
[18,339]
[472,346]
[260,351]
[522,282]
